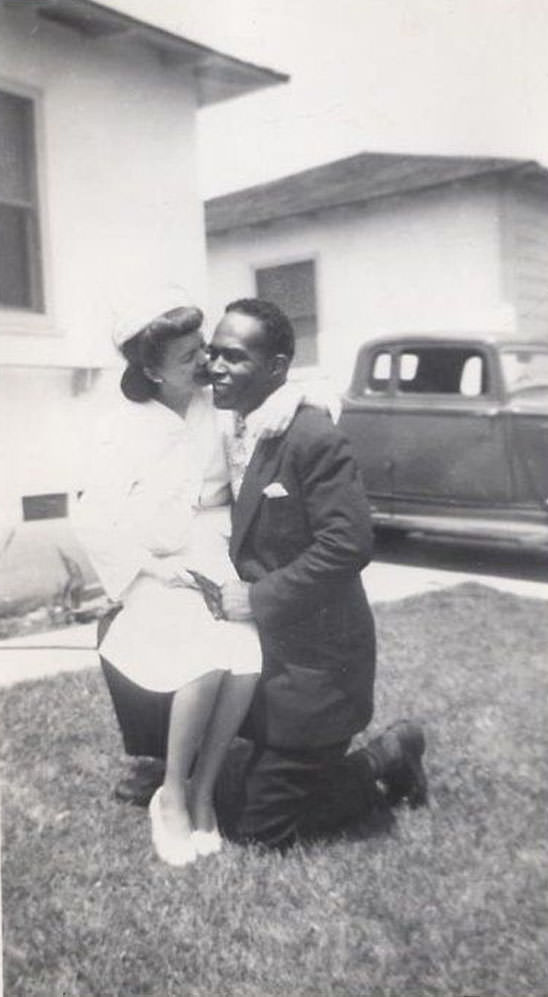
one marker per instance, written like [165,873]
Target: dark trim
[50,506]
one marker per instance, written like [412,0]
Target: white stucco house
[98,200]
[379,243]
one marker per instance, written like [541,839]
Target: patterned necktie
[237,454]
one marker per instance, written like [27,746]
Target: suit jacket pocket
[279,519]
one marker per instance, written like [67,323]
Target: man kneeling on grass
[301,533]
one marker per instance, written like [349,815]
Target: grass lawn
[452,902]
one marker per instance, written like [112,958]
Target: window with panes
[292,286]
[21,284]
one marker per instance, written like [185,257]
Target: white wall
[120,215]
[44,431]
[525,228]
[118,179]
[424,262]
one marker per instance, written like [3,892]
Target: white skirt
[165,637]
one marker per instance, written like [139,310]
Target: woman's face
[179,370]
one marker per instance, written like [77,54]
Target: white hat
[143,307]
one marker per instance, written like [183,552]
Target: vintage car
[451,434]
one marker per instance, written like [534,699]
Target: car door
[367,421]
[447,438]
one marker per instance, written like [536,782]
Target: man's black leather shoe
[397,756]
[139,787]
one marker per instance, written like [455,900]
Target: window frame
[359,390]
[20,321]
[272,263]
[367,391]
[449,396]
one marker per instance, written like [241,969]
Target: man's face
[241,370]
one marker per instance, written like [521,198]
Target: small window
[293,288]
[379,374]
[54,506]
[471,380]
[408,367]
[443,371]
[20,253]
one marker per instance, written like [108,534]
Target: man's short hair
[279,333]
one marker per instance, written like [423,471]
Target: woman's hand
[171,571]
[319,394]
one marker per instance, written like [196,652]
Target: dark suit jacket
[302,553]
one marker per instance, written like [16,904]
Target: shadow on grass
[452,901]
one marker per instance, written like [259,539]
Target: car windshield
[525,369]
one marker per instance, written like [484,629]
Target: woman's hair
[146,349]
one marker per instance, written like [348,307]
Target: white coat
[158,486]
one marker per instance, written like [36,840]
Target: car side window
[442,371]
[378,378]
[472,377]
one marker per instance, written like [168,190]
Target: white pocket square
[275,490]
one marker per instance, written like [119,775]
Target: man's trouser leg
[143,716]
[291,795]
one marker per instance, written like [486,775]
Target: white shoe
[171,848]
[207,842]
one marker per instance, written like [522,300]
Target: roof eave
[263,205]
[218,76]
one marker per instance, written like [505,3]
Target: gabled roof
[218,76]
[354,180]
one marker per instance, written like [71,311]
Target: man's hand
[236,604]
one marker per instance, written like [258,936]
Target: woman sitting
[154,511]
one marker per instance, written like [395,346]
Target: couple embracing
[226,517]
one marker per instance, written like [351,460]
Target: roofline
[202,57]
[500,167]
[197,46]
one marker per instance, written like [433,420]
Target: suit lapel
[262,466]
